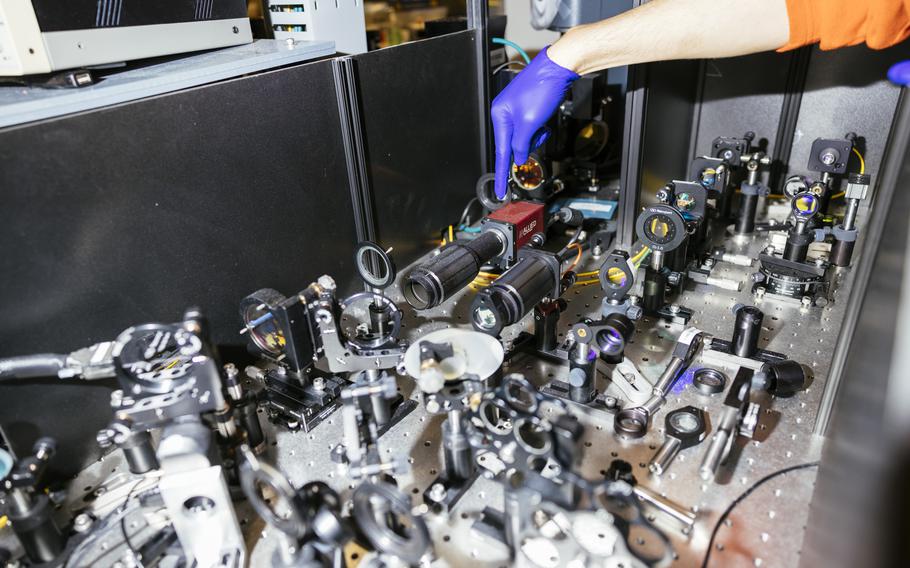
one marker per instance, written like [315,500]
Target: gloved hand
[522,109]
[899,73]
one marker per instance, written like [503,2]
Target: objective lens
[449,271]
[514,293]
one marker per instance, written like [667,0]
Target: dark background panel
[57,15]
[132,213]
[847,91]
[740,94]
[420,124]
[672,88]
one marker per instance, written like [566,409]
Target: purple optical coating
[610,341]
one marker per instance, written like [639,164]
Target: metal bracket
[631,382]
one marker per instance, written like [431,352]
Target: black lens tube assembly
[451,270]
[746,330]
[782,379]
[504,302]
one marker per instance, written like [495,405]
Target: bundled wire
[638,259]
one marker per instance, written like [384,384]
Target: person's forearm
[674,29]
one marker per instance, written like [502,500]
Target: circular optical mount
[257,311]
[616,277]
[613,333]
[487,196]
[631,422]
[519,394]
[375,501]
[155,357]
[661,227]
[382,303]
[805,205]
[530,175]
[709,381]
[271,495]
[795,185]
[374,265]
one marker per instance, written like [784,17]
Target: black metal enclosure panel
[847,91]
[419,111]
[132,213]
[740,94]
[858,511]
[672,88]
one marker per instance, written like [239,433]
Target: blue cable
[513,45]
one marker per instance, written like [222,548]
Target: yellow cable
[644,250]
[584,274]
[577,258]
[451,234]
[862,161]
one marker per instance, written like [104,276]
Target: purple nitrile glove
[899,74]
[521,111]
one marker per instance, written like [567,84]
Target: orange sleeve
[840,23]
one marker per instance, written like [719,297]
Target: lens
[519,394]
[805,205]
[485,317]
[610,341]
[616,277]
[591,140]
[431,283]
[529,175]
[632,422]
[417,294]
[684,422]
[659,229]
[264,330]
[685,201]
[613,333]
[708,177]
